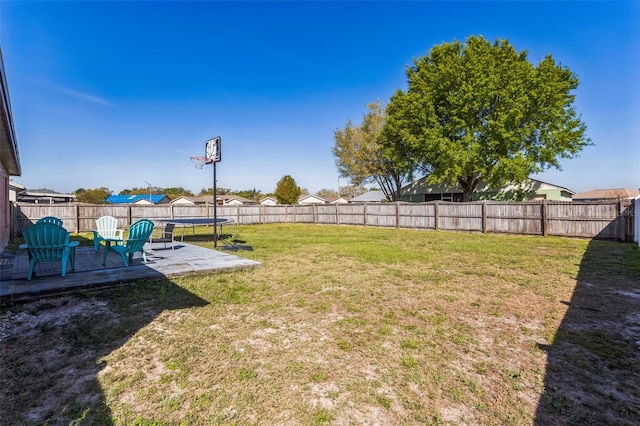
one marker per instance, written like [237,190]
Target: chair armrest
[23,247]
[73,244]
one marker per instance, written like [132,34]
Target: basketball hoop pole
[215,205]
[211,156]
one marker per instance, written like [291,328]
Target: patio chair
[106,228]
[48,242]
[50,219]
[167,236]
[139,234]
[46,219]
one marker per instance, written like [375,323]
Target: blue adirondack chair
[50,219]
[139,234]
[48,242]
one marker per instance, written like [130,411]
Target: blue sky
[117,94]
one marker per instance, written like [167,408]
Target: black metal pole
[215,205]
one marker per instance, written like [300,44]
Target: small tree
[360,157]
[287,191]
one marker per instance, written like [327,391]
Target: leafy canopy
[92,196]
[480,111]
[360,158]
[287,191]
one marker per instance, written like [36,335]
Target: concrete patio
[90,274]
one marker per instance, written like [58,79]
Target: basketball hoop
[199,162]
[211,156]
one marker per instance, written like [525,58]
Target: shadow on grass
[50,360]
[593,369]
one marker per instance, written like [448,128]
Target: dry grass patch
[341,326]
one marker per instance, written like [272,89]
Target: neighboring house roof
[33,196]
[338,200]
[269,201]
[15,186]
[311,199]
[132,199]
[236,200]
[9,155]
[14,190]
[483,190]
[208,199]
[194,200]
[370,197]
[607,194]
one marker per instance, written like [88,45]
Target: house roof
[482,186]
[607,194]
[9,155]
[314,198]
[333,200]
[195,200]
[130,199]
[371,196]
[16,186]
[237,198]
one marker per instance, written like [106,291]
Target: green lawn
[343,325]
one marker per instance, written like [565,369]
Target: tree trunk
[468,185]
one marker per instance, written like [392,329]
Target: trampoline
[200,221]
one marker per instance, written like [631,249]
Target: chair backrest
[168,230]
[107,226]
[139,234]
[46,241]
[50,219]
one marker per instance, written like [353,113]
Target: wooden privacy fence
[606,220]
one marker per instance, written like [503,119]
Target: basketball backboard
[212,149]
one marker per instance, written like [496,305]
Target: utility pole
[149,191]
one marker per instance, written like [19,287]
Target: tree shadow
[593,364]
[54,349]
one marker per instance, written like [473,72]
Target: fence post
[337,214]
[636,220]
[128,215]
[545,218]
[13,224]
[365,214]
[621,221]
[436,215]
[484,217]
[398,214]
[315,213]
[77,209]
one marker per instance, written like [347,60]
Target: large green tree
[360,158]
[287,191]
[481,111]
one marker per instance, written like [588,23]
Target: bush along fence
[606,220]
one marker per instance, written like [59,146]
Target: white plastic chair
[106,228]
